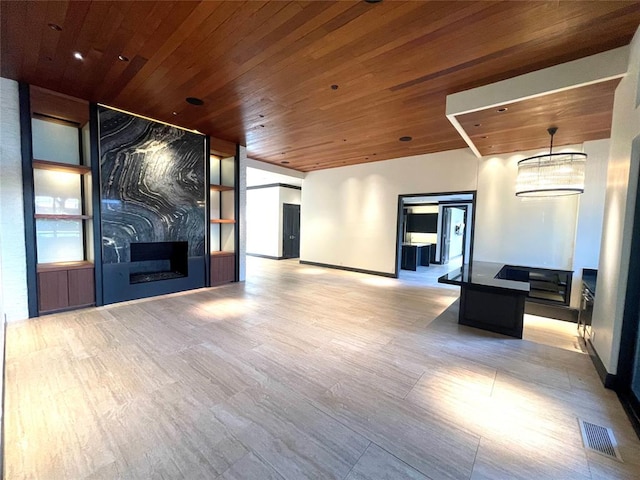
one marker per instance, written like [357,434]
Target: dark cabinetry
[222,268]
[551,287]
[587,297]
[67,286]
[414,255]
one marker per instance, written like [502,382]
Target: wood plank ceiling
[265,69]
[580,114]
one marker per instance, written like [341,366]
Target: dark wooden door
[290,231]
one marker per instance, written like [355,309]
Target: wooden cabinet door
[53,290]
[81,291]
[223,269]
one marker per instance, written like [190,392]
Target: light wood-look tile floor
[299,373]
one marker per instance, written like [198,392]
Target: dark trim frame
[348,269]
[4,390]
[236,208]
[401,197]
[629,351]
[272,185]
[28,198]
[207,211]
[465,207]
[270,257]
[608,379]
[96,193]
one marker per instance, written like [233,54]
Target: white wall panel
[622,178]
[538,232]
[349,214]
[263,221]
[13,289]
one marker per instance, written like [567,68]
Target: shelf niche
[222,198]
[61,188]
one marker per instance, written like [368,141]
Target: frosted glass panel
[228,239]
[59,240]
[57,192]
[227,207]
[228,177]
[55,142]
[214,207]
[214,170]
[214,231]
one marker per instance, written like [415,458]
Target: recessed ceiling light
[484,136]
[373,1]
[174,113]
[261,116]
[195,101]
[405,139]
[78,56]
[122,58]
[55,26]
[477,124]
[334,87]
[503,109]
[261,126]
[284,162]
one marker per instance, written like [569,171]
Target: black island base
[487,302]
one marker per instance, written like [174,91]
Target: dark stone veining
[153,185]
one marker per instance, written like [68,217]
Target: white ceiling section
[578,73]
[261,173]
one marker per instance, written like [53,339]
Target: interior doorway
[290,230]
[453,232]
[434,234]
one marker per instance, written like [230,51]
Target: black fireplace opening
[154,261]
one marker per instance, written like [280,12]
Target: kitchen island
[414,254]
[487,302]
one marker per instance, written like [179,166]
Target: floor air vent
[599,439]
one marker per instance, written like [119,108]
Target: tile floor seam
[475,457]
[402,461]
[414,385]
[356,462]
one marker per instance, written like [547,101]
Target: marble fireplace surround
[152,192]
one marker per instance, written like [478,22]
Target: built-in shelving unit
[60,191]
[222,198]
[61,167]
[221,188]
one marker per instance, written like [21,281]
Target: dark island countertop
[482,274]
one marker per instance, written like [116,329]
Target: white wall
[590,214]
[349,214]
[264,218]
[13,287]
[622,178]
[241,188]
[537,232]
[263,222]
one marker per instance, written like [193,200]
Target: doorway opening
[435,234]
[290,230]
